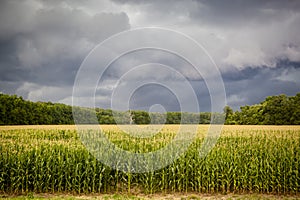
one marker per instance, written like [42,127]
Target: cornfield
[263,159]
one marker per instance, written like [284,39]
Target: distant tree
[277,110]
[295,110]
[141,117]
[228,112]
[173,118]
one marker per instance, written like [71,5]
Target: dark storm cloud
[238,33]
[231,13]
[255,44]
[227,13]
[225,7]
[43,45]
[128,62]
[252,85]
[149,95]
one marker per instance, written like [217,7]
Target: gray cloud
[235,32]
[255,43]
[152,94]
[253,85]
[43,45]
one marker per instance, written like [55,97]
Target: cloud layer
[255,44]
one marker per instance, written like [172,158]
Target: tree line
[14,110]
[274,110]
[277,110]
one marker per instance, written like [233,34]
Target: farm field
[246,159]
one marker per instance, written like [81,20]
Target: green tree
[228,112]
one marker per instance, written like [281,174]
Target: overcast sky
[255,45]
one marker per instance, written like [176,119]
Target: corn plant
[262,159]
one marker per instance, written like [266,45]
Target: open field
[246,159]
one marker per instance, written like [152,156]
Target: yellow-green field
[246,159]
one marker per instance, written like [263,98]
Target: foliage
[244,160]
[15,110]
[276,110]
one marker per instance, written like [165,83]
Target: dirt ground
[175,196]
